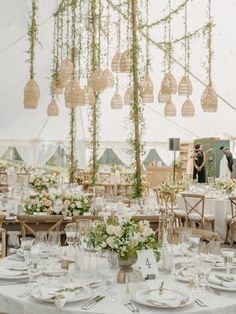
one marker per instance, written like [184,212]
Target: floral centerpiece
[42,183]
[70,205]
[226,184]
[178,163]
[115,168]
[38,203]
[122,235]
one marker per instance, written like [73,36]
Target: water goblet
[228,255]
[70,231]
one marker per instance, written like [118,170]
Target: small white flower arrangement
[38,203]
[70,205]
[122,235]
[225,183]
[42,183]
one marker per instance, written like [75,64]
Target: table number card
[147,263]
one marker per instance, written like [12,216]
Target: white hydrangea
[110,229]
[110,242]
[118,232]
[146,232]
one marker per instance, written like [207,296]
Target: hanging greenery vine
[95,108]
[136,110]
[32,35]
[72,133]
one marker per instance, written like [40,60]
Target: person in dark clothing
[228,156]
[199,160]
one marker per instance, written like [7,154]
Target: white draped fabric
[224,169]
[3,149]
[165,155]
[123,154]
[36,153]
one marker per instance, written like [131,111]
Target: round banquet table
[12,304]
[217,206]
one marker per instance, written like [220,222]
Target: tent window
[110,158]
[153,156]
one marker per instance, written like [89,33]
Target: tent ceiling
[20,124]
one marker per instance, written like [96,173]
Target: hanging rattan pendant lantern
[148,96]
[53,109]
[31,94]
[125,62]
[74,95]
[163,98]
[185,87]
[128,96]
[170,109]
[65,72]
[109,78]
[169,84]
[116,101]
[89,97]
[188,109]
[97,81]
[147,82]
[115,64]
[209,100]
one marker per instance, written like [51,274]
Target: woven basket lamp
[147,82]
[125,62]
[89,97]
[188,109]
[115,64]
[163,98]
[65,72]
[148,96]
[169,84]
[31,94]
[97,81]
[56,90]
[209,100]
[109,78]
[170,109]
[185,87]
[74,95]
[116,101]
[128,96]
[53,109]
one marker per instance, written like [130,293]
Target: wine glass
[54,244]
[228,255]
[83,228]
[26,245]
[203,276]
[70,231]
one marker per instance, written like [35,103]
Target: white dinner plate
[141,297]
[18,275]
[222,288]
[83,294]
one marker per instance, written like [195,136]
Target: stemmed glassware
[54,244]
[228,255]
[70,231]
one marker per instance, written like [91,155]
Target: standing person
[199,164]
[226,164]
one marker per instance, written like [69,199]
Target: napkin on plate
[168,298]
[59,295]
[223,280]
[11,273]
[211,258]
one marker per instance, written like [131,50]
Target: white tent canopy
[22,127]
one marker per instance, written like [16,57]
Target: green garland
[136,111]
[32,35]
[72,134]
[95,109]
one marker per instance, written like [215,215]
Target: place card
[147,264]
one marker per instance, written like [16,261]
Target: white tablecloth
[219,207]
[10,303]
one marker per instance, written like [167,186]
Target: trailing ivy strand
[32,35]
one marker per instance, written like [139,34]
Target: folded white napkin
[4,271]
[168,298]
[211,258]
[223,282]
[59,297]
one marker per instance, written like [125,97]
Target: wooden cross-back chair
[195,211]
[231,221]
[3,243]
[126,183]
[23,178]
[104,178]
[30,224]
[205,235]
[3,182]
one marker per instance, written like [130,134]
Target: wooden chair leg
[227,232]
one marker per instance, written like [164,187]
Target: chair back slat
[31,223]
[194,203]
[233,206]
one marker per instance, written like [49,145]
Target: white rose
[110,229]
[58,202]
[147,232]
[118,231]
[103,245]
[135,238]
[78,204]
[110,242]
